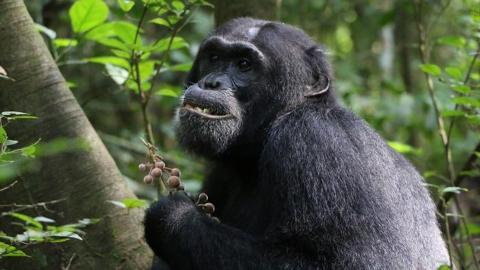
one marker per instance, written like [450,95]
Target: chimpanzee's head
[246,73]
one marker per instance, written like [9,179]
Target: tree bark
[226,10]
[86,179]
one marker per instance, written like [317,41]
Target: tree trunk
[86,179]
[226,10]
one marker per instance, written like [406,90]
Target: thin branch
[424,55]
[20,207]
[9,186]
[469,165]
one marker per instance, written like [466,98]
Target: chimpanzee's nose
[212,83]
[215,82]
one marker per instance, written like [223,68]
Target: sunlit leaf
[444,267]
[68,234]
[454,72]
[119,75]
[126,5]
[27,219]
[160,21]
[431,69]
[463,89]
[7,250]
[177,43]
[117,203]
[452,113]
[456,190]
[3,135]
[109,60]
[178,5]
[169,91]
[88,221]
[86,14]
[469,101]
[29,151]
[44,219]
[454,41]
[134,203]
[123,30]
[403,148]
[65,42]
[180,67]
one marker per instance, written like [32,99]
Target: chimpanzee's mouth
[206,111]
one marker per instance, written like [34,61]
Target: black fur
[299,183]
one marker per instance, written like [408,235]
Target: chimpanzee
[298,181]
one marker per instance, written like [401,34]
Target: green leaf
[469,101]
[114,43]
[178,5]
[86,14]
[180,67]
[473,228]
[3,135]
[404,148]
[431,69]
[134,203]
[29,151]
[444,267]
[126,5]
[68,234]
[88,221]
[454,41]
[169,91]
[13,113]
[7,250]
[10,142]
[65,42]
[454,72]
[146,70]
[177,43]
[160,21]
[116,61]
[117,203]
[452,113]
[123,30]
[26,219]
[456,190]
[119,75]
[44,219]
[463,89]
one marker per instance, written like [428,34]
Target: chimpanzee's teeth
[198,109]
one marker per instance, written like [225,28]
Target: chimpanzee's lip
[205,111]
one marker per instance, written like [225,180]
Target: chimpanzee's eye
[213,58]
[244,65]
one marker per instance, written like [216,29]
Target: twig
[21,207]
[70,262]
[424,54]
[9,186]
[469,164]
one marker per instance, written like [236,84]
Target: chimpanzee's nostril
[212,83]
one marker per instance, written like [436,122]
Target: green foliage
[379,75]
[38,230]
[431,69]
[130,203]
[126,5]
[86,14]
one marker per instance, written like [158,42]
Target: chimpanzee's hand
[169,220]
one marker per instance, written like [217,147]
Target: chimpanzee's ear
[321,72]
